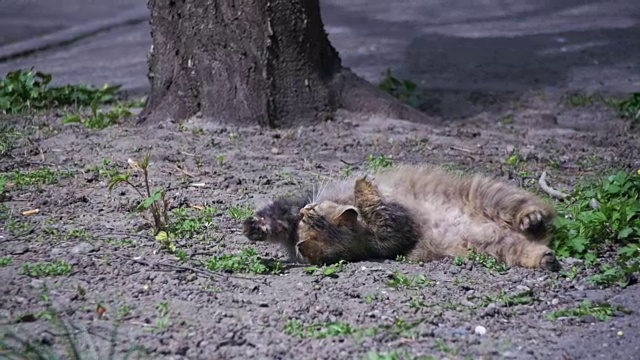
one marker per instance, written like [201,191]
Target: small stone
[620,333]
[465,302]
[523,288]
[18,249]
[82,248]
[480,330]
[275,151]
[555,302]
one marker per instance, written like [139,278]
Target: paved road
[451,45]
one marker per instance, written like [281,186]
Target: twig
[549,190]
[462,149]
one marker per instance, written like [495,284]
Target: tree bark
[252,62]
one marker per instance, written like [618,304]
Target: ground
[173,308]
[119,265]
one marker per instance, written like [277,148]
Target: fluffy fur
[422,212]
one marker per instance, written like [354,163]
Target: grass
[327,271]
[402,281]
[396,355]
[5,261]
[377,162]
[43,176]
[99,119]
[248,261]
[403,90]
[603,216]
[399,328]
[240,212]
[484,260]
[8,137]
[521,298]
[626,108]
[28,90]
[600,311]
[46,269]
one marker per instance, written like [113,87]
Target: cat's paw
[255,229]
[532,220]
[550,262]
[310,251]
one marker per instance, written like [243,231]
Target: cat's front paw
[550,262]
[532,220]
[310,251]
[255,229]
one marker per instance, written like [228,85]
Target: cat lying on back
[422,212]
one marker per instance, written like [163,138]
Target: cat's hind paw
[532,220]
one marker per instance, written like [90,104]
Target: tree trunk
[252,62]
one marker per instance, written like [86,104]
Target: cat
[422,212]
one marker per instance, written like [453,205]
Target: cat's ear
[348,216]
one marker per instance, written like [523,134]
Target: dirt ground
[117,264]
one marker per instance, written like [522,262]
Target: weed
[154,202]
[42,269]
[99,119]
[80,234]
[318,331]
[5,261]
[163,320]
[404,90]
[239,213]
[8,138]
[328,271]
[181,255]
[248,261]
[604,213]
[105,170]
[445,348]
[402,281]
[23,91]
[44,176]
[487,261]
[396,355]
[458,261]
[188,225]
[600,311]
[346,171]
[521,298]
[378,162]
[629,108]
[578,99]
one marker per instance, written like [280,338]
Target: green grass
[404,90]
[377,162]
[248,261]
[189,223]
[28,90]
[328,271]
[483,260]
[43,176]
[396,355]
[600,311]
[318,331]
[5,261]
[521,298]
[99,119]
[8,137]
[45,269]
[240,212]
[401,281]
[603,214]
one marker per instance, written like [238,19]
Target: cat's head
[328,222]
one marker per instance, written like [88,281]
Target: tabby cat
[424,213]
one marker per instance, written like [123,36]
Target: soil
[118,265]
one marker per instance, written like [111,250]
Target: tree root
[542,182]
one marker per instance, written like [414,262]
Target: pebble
[480,330]
[18,249]
[82,248]
[555,301]
[523,288]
